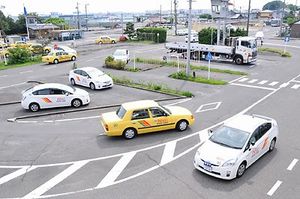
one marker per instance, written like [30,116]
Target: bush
[181,75]
[204,36]
[239,32]
[111,63]
[158,35]
[19,55]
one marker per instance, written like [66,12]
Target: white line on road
[215,105]
[250,86]
[284,85]
[296,86]
[55,180]
[27,71]
[296,81]
[273,83]
[16,174]
[252,81]
[237,79]
[3,76]
[12,85]
[168,154]
[262,82]
[293,163]
[112,175]
[274,188]
[180,102]
[50,67]
[244,79]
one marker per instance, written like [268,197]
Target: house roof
[42,26]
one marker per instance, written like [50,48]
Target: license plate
[207,166]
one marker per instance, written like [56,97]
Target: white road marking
[3,87]
[90,60]
[3,76]
[293,163]
[289,46]
[50,67]
[16,174]
[296,81]
[55,180]
[202,107]
[28,71]
[168,154]
[262,82]
[284,85]
[116,170]
[273,83]
[274,188]
[251,86]
[243,80]
[252,81]
[296,86]
[180,102]
[237,79]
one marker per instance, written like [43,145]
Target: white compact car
[53,95]
[121,55]
[90,77]
[236,145]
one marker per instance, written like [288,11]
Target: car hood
[120,57]
[81,92]
[217,154]
[102,78]
[110,117]
[177,110]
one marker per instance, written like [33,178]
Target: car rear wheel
[73,82]
[92,86]
[55,61]
[272,145]
[73,58]
[182,125]
[100,42]
[238,60]
[113,42]
[34,107]
[47,51]
[129,133]
[241,170]
[76,103]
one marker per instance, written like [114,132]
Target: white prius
[53,95]
[236,145]
[90,77]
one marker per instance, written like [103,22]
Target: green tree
[273,5]
[19,55]
[129,30]
[208,36]
[56,21]
[205,16]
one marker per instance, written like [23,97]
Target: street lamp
[188,67]
[86,16]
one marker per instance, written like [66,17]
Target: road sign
[208,56]
[286,39]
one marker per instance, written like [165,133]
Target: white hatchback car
[236,145]
[90,77]
[121,55]
[51,95]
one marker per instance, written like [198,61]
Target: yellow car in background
[21,44]
[39,49]
[105,40]
[4,52]
[56,57]
[145,116]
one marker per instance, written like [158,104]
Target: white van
[122,55]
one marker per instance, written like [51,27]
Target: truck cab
[245,50]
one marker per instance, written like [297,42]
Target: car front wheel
[272,145]
[92,86]
[182,125]
[76,103]
[34,107]
[73,82]
[241,170]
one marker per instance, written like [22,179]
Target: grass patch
[276,51]
[181,75]
[150,86]
[36,60]
[139,41]
[131,69]
[193,67]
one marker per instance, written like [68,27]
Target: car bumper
[24,104]
[86,100]
[104,85]
[225,173]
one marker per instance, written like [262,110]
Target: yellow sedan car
[21,44]
[105,40]
[145,116]
[58,56]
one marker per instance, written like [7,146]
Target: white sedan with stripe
[53,95]
[236,145]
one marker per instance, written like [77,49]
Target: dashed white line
[168,154]
[296,86]
[262,82]
[292,164]
[273,83]
[243,80]
[284,85]
[28,71]
[16,174]
[253,81]
[55,180]
[3,87]
[112,175]
[251,86]
[274,188]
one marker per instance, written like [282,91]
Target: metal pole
[248,18]
[218,32]
[189,40]
[26,22]
[282,16]
[86,17]
[208,75]
[175,13]
[78,24]
[122,24]
[160,15]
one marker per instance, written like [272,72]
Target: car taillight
[192,117]
[106,127]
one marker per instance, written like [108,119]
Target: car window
[83,73]
[64,53]
[121,112]
[140,114]
[157,112]
[45,91]
[265,128]
[78,72]
[56,92]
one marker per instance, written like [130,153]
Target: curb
[81,110]
[9,103]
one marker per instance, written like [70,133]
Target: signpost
[286,40]
[208,58]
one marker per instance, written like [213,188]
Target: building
[295,30]
[266,14]
[63,35]
[39,30]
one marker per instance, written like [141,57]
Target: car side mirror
[252,141]
[67,94]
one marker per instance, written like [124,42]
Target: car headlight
[229,163]
[197,153]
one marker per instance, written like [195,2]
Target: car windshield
[95,73]
[119,53]
[230,137]
[166,109]
[121,112]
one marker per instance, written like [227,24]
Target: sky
[15,7]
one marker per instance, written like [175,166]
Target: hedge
[151,34]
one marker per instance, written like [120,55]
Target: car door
[160,119]
[78,76]
[58,97]
[140,119]
[85,78]
[59,56]
[42,97]
[254,146]
[265,137]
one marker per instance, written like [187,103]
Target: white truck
[241,50]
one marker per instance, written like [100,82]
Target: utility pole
[122,24]
[86,16]
[282,16]
[189,39]
[175,13]
[248,18]
[160,15]
[171,14]
[78,23]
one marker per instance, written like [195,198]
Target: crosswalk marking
[168,154]
[296,86]
[55,180]
[16,174]
[284,85]
[243,80]
[262,82]
[273,83]
[116,170]
[252,81]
